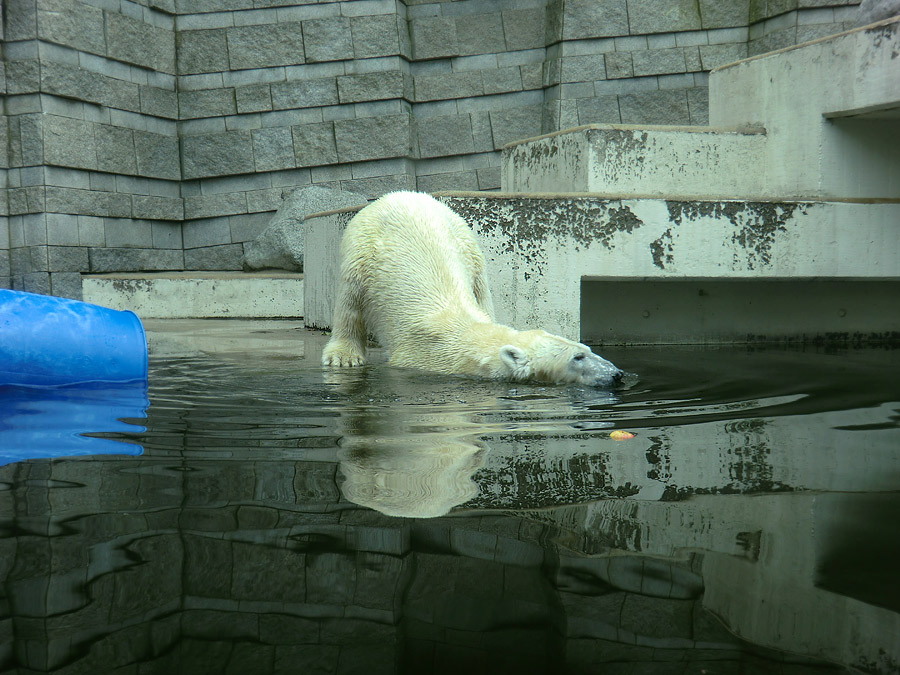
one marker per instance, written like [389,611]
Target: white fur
[412,275]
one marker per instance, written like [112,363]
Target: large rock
[280,246]
[871,11]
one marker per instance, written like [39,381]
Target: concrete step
[182,295]
[651,161]
[818,121]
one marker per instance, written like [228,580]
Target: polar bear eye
[578,357]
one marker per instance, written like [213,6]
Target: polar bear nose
[617,376]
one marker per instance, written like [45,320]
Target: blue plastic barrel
[49,341]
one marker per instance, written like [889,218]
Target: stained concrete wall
[162,135]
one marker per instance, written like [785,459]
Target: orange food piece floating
[619,435]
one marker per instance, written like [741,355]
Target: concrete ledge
[180,295]
[539,250]
[654,161]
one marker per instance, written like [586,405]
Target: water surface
[282,519]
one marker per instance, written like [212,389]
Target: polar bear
[413,276]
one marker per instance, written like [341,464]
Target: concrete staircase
[781,220]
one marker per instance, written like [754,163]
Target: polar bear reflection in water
[409,478]
[412,275]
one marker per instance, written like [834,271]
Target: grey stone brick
[105,260]
[455,180]
[582,68]
[273,149]
[698,105]
[167,235]
[265,46]
[209,232]
[227,257]
[370,87]
[36,282]
[594,18]
[207,103]
[375,36]
[66,284]
[126,232]
[68,259]
[118,205]
[724,13]
[140,43]
[372,138]
[658,61]
[304,94]
[713,56]
[488,178]
[115,149]
[158,102]
[157,155]
[503,80]
[599,110]
[214,206]
[21,20]
[327,39]
[655,107]
[663,16]
[157,208]
[532,75]
[254,98]
[442,136]
[524,28]
[314,144]
[23,77]
[433,37]
[379,185]
[217,154]
[201,51]
[73,24]
[479,33]
[618,65]
[69,142]
[516,124]
[449,86]
[692,61]
[91,231]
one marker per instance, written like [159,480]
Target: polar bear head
[541,357]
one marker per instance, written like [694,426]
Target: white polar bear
[412,275]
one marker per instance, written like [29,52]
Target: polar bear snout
[596,371]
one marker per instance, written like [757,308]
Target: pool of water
[252,513]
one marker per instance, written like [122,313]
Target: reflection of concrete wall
[761,567]
[234,565]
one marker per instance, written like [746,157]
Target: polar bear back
[412,259]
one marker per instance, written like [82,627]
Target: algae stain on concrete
[757,224]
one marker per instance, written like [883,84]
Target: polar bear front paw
[342,356]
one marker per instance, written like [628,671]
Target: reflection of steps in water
[744,456]
[207,565]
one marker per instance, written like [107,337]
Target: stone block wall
[162,134]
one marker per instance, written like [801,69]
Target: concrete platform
[544,250]
[179,295]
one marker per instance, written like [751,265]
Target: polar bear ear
[516,360]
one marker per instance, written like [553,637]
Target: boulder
[280,245]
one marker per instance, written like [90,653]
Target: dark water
[280,519]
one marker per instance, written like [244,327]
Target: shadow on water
[284,519]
